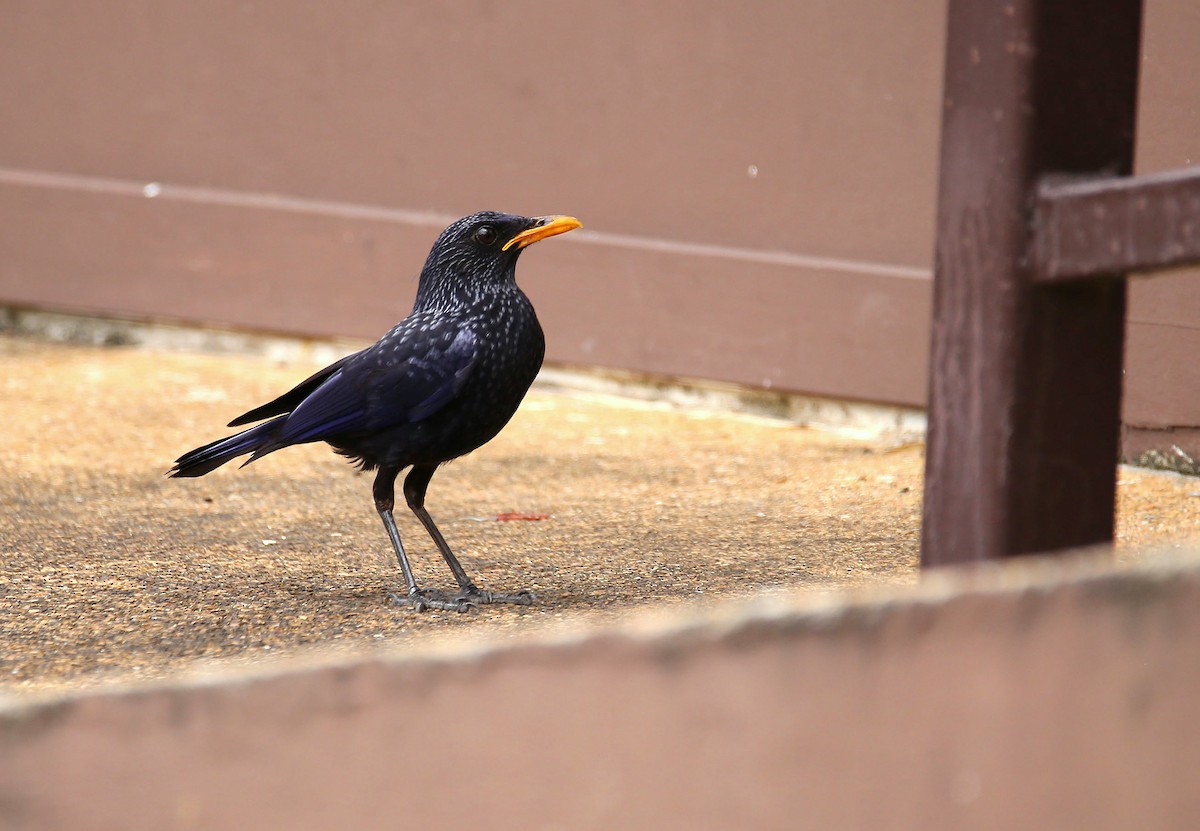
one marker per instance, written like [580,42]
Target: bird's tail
[202,460]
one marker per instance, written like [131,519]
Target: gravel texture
[113,571]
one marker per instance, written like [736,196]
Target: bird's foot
[423,599]
[521,598]
[467,600]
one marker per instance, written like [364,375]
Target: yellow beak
[550,226]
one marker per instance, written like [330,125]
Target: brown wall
[308,153]
[1045,696]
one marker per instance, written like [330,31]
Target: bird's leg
[384,491]
[415,485]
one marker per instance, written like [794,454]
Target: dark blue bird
[441,383]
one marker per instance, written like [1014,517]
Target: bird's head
[481,250]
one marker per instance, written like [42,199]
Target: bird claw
[424,599]
[521,598]
[466,601]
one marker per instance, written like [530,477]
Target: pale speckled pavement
[111,570]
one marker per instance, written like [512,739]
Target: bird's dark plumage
[441,383]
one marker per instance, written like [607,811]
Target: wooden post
[1025,389]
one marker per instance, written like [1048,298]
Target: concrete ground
[113,571]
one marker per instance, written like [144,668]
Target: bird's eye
[486,235]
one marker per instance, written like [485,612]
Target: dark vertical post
[1025,384]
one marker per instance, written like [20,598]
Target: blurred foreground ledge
[1036,694]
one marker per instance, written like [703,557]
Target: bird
[439,384]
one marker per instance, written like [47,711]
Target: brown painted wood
[1115,225]
[682,127]
[1045,699]
[1025,383]
[1163,367]
[387,120]
[676,310]
[640,118]
[1162,375]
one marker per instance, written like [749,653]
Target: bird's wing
[399,380]
[292,398]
